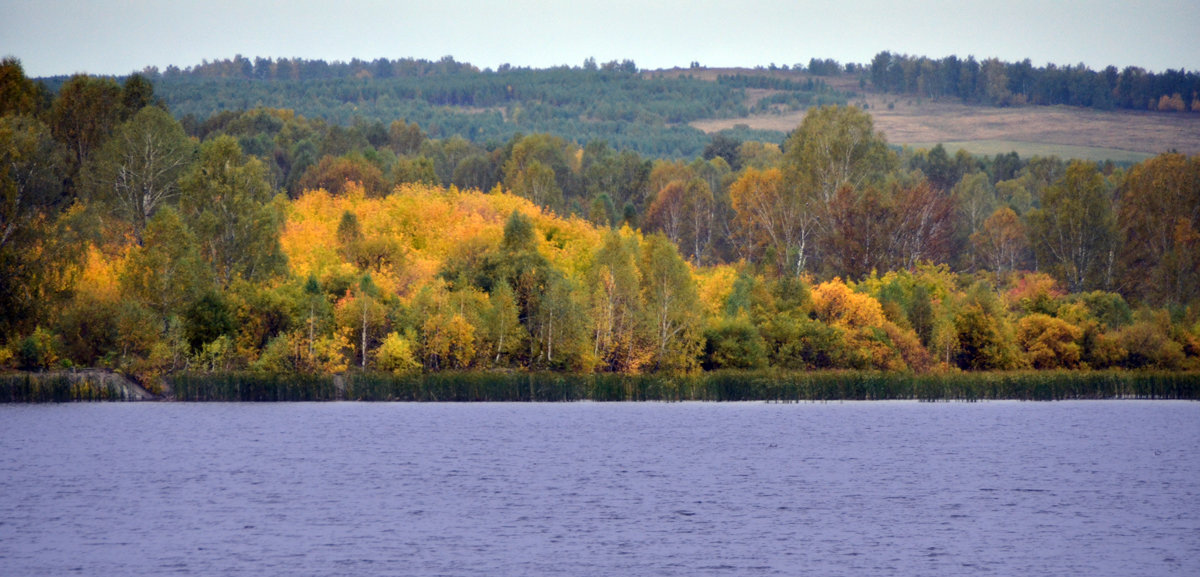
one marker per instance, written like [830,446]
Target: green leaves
[137,170]
[226,201]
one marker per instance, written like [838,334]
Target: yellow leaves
[99,277]
[714,285]
[396,355]
[1049,342]
[836,304]
[449,341]
[329,352]
[420,227]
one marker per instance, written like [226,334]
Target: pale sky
[53,37]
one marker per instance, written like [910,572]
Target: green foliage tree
[539,167]
[618,332]
[734,343]
[138,169]
[501,324]
[672,306]
[84,114]
[31,171]
[361,314]
[560,326]
[166,273]
[137,93]
[206,320]
[835,146]
[226,200]
[38,248]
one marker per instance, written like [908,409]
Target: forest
[610,102]
[998,83]
[260,239]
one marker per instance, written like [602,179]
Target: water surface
[883,488]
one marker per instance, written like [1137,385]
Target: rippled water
[1068,488]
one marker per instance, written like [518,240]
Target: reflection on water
[1069,488]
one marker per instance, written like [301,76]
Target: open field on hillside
[1069,132]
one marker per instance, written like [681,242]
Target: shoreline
[719,386]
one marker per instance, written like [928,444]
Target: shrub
[1048,342]
[396,355]
[734,344]
[1147,345]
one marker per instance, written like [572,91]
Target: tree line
[266,241]
[998,83]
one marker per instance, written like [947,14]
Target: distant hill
[673,113]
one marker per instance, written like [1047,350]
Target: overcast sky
[53,37]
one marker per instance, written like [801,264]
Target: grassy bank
[714,386]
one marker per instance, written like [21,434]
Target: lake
[859,488]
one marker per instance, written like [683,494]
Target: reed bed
[253,387]
[712,386]
[57,388]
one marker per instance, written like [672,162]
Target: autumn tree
[775,218]
[1159,224]
[1074,232]
[869,339]
[396,355]
[1000,242]
[18,94]
[446,325]
[922,225]
[985,340]
[861,232]
[1049,342]
[333,174]
[683,212]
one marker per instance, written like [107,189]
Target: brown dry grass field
[1069,132]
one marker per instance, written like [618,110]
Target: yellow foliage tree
[1049,342]
[396,355]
